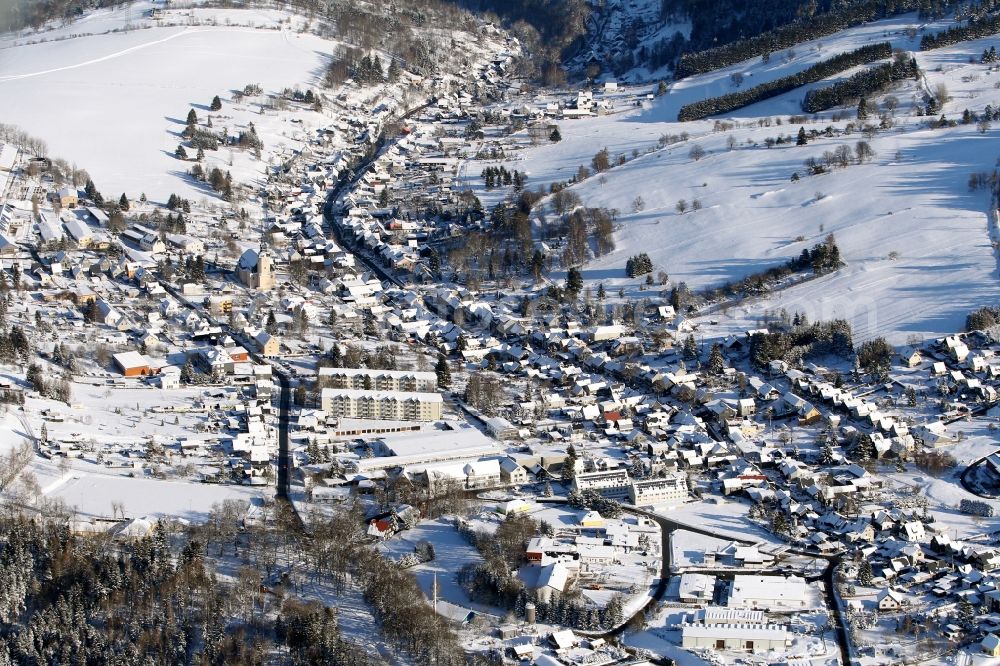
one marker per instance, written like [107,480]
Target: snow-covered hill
[911,203]
[111,90]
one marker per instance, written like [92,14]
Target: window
[720,644]
[749,645]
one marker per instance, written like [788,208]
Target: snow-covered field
[114,103]
[91,493]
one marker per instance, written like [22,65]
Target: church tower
[265,271]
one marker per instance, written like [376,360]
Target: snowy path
[111,56]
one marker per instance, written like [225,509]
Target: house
[552,579]
[934,434]
[383,405]
[913,531]
[133,364]
[380,380]
[511,473]
[170,381]
[647,492]
[67,197]
[267,344]
[912,358]
[563,640]
[592,519]
[612,483]
[889,600]
[514,506]
[990,645]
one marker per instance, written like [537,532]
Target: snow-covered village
[546,332]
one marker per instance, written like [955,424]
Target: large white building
[659,491]
[382,405]
[735,629]
[613,483]
[738,637]
[379,380]
[768,592]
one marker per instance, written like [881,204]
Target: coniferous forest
[818,72]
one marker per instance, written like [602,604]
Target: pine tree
[801,140]
[123,202]
[216,104]
[574,282]
[569,466]
[192,117]
[716,363]
[865,573]
[966,614]
[555,136]
[779,523]
[690,348]
[443,372]
[180,154]
[862,109]
[187,372]
[271,325]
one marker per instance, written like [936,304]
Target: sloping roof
[248,260]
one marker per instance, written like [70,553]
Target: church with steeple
[256,269]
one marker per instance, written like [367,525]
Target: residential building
[646,492]
[395,405]
[613,483]
[379,380]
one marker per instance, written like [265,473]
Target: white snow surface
[114,103]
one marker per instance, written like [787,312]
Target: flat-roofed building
[612,483]
[381,405]
[379,380]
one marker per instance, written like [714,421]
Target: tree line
[862,84]
[976,28]
[818,72]
[806,28]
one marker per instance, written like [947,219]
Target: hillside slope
[911,202]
